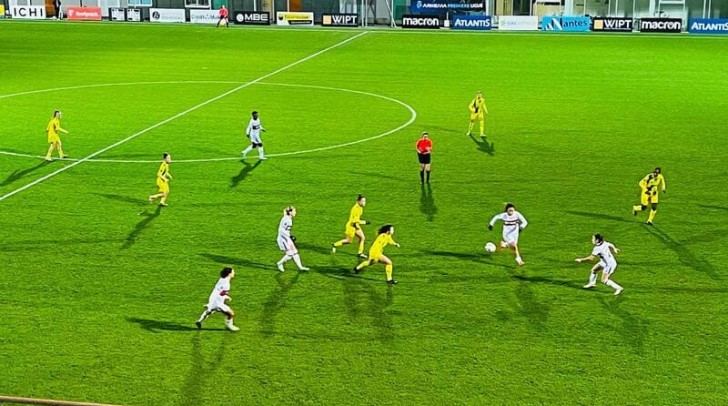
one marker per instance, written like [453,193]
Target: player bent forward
[513,224]
[218,297]
[607,264]
[287,242]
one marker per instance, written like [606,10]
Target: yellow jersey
[53,126]
[651,183]
[355,216]
[163,171]
[477,106]
[382,241]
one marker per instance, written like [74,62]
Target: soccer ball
[489,247]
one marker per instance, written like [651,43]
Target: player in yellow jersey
[376,252]
[163,178]
[649,186]
[477,111]
[53,129]
[353,227]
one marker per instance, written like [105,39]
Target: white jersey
[254,128]
[284,227]
[603,251]
[512,225]
[217,297]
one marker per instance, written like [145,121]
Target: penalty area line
[176,116]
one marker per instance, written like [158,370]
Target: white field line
[176,116]
[413,117]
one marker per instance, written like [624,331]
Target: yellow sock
[60,152]
[470,127]
[163,200]
[482,128]
[339,243]
[361,248]
[637,207]
[652,215]
[362,265]
[388,270]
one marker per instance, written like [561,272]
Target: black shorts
[424,158]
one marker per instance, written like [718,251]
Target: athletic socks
[613,285]
[361,248]
[592,278]
[422,176]
[652,215]
[297,260]
[428,176]
[388,270]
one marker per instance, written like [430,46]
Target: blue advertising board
[572,24]
[708,26]
[472,22]
[443,6]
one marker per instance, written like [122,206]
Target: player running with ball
[513,224]
[607,264]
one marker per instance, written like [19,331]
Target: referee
[424,154]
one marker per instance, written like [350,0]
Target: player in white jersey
[607,264]
[287,242]
[253,132]
[216,303]
[513,223]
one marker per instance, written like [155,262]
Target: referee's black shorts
[424,158]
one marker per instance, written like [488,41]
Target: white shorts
[511,238]
[218,307]
[286,244]
[255,139]
[608,269]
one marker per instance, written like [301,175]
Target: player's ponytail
[385,229]
[287,211]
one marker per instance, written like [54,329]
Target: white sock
[592,278]
[228,322]
[250,148]
[518,259]
[261,154]
[203,316]
[285,259]
[297,260]
[613,285]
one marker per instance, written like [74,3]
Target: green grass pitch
[100,290]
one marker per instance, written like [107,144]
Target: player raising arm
[286,242]
[216,303]
[353,227]
[478,110]
[649,186]
[513,224]
[607,264]
[52,130]
[376,252]
[163,178]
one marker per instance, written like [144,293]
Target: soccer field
[100,289]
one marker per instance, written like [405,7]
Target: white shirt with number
[603,251]
[217,297]
[512,225]
[284,234]
[253,130]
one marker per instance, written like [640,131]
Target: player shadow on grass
[684,255]
[156,326]
[275,302]
[427,202]
[634,329]
[222,259]
[244,172]
[599,216]
[713,207]
[140,226]
[529,306]
[19,174]
[363,300]
[197,379]
[483,145]
[471,257]
[548,281]
[124,199]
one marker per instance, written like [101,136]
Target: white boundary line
[176,116]
[413,117]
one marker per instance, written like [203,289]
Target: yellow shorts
[375,256]
[350,232]
[477,116]
[163,186]
[649,198]
[53,138]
